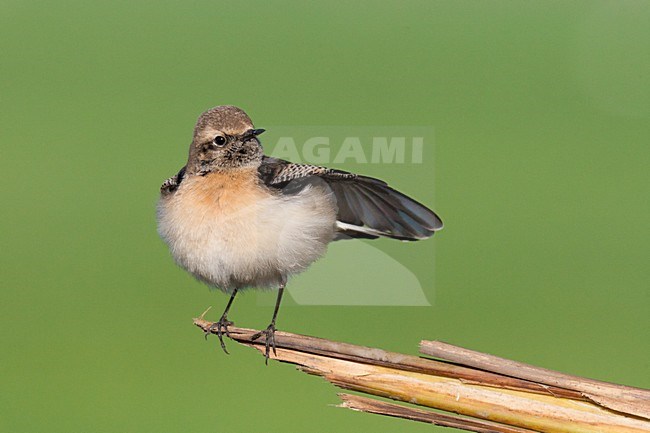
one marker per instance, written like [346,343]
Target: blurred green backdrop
[541,114]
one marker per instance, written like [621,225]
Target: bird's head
[224,138]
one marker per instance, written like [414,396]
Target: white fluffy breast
[230,232]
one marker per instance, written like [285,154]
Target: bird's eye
[219,140]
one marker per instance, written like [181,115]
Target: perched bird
[237,219]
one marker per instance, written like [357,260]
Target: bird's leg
[222,325]
[269,332]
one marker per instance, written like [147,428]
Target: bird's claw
[221,327]
[269,336]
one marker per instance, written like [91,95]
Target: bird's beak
[251,133]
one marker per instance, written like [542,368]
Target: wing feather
[367,207]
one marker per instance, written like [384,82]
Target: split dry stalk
[488,393]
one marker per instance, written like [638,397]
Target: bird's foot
[222,328]
[269,336]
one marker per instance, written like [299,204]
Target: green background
[541,114]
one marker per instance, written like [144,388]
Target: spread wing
[367,207]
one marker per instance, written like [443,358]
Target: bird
[238,219]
